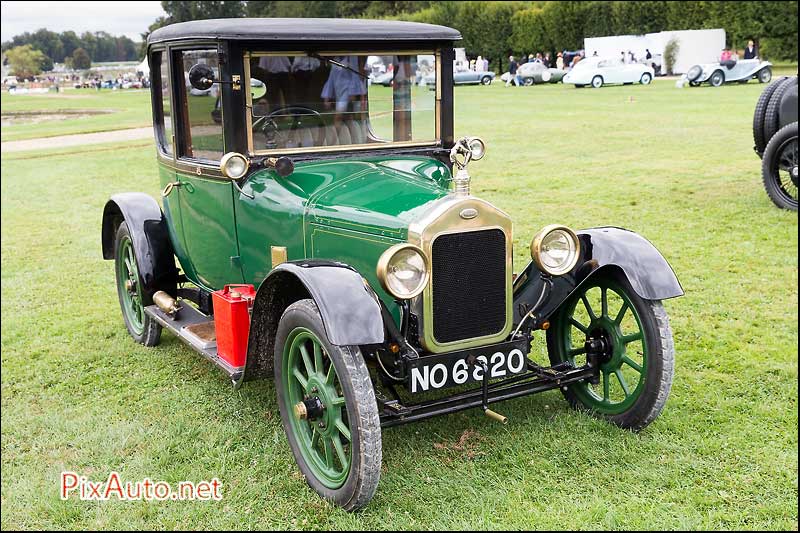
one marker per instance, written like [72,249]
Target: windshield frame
[248,110]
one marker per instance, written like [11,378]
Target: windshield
[305,102]
[586,63]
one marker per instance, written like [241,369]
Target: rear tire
[764,75]
[527,82]
[486,80]
[625,322]
[309,367]
[759,139]
[597,82]
[779,168]
[140,325]
[717,78]
[772,116]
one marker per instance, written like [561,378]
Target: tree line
[496,29]
[69,47]
[491,29]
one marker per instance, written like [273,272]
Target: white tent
[143,67]
[694,46]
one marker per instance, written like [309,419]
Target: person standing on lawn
[750,51]
[512,70]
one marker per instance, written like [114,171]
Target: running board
[197,330]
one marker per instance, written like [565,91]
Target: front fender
[350,309]
[155,258]
[648,273]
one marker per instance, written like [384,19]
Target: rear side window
[163,112]
[202,125]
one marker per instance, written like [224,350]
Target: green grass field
[675,165]
[129,109]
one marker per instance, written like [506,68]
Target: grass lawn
[128,109]
[675,165]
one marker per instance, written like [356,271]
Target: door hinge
[278,255]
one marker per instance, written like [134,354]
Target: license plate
[435,372]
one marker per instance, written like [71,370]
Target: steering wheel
[283,126]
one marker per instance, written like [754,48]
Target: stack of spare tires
[775,137]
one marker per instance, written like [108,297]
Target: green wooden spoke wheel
[141,327]
[628,338]
[320,421]
[128,281]
[328,409]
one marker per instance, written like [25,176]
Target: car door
[161,100]
[609,70]
[633,72]
[738,71]
[205,197]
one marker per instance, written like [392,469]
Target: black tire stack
[775,140]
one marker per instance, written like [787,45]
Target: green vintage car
[321,231]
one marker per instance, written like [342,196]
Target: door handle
[170,186]
[168,189]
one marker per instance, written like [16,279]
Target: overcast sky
[116,18]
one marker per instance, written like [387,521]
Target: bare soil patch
[10,118]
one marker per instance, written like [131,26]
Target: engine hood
[377,196]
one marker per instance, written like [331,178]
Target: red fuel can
[232,307]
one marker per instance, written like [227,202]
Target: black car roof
[304,29]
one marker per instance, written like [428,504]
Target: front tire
[338,445]
[646,79]
[140,325]
[637,359]
[765,75]
[486,80]
[527,82]
[597,82]
[779,167]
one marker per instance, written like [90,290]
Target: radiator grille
[468,285]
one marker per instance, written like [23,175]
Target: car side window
[163,112]
[201,134]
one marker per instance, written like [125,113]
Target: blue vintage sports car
[463,77]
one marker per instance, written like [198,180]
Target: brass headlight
[234,165]
[555,249]
[403,271]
